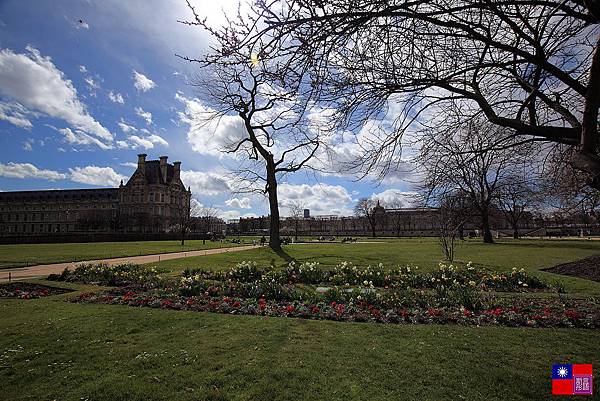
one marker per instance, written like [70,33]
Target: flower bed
[114,276]
[22,290]
[505,312]
[348,274]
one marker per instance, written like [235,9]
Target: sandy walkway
[44,270]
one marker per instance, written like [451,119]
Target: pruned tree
[461,160]
[530,67]
[241,85]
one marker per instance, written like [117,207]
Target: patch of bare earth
[587,268]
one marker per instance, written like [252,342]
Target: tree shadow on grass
[283,255]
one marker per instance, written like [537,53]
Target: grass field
[33,254]
[50,349]
[531,255]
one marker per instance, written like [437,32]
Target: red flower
[333,304]
[190,301]
[314,309]
[236,304]
[261,301]
[166,303]
[467,313]
[404,313]
[262,306]
[375,312]
[571,314]
[339,310]
[495,312]
[290,308]
[433,312]
[227,299]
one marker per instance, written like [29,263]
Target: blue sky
[79,101]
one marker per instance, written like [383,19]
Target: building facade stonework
[154,200]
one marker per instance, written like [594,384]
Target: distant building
[153,200]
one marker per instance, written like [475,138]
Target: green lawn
[50,349]
[32,254]
[531,255]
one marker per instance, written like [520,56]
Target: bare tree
[274,137]
[516,194]
[182,213]
[205,217]
[531,67]
[451,219]
[296,214]
[369,210]
[461,160]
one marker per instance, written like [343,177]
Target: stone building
[154,200]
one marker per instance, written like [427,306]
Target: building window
[162,197]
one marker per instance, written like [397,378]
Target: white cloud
[34,81]
[27,170]
[319,198]
[79,137]
[126,128]
[206,183]
[234,215]
[16,114]
[83,69]
[116,97]
[146,115]
[129,164]
[92,85]
[147,142]
[93,175]
[122,145]
[27,145]
[205,137]
[396,198]
[142,82]
[239,203]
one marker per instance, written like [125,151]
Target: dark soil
[588,268]
[29,290]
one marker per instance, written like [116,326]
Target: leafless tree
[368,209]
[296,214]
[182,213]
[461,160]
[531,67]
[206,217]
[275,136]
[451,219]
[516,194]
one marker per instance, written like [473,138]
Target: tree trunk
[485,226]
[274,240]
[515,232]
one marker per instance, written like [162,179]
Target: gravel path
[44,270]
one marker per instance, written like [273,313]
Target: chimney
[142,163]
[176,170]
[163,167]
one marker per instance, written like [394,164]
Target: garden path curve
[57,268]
